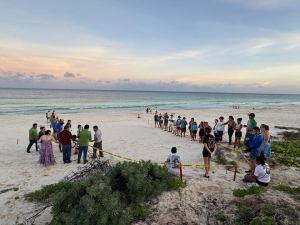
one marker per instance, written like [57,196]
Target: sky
[207,46]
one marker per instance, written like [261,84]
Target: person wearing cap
[59,128]
[65,137]
[33,135]
[178,123]
[249,129]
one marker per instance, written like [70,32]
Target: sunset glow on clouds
[222,45]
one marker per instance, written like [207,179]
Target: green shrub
[265,221]
[222,161]
[268,208]
[46,191]
[245,216]
[257,190]
[286,152]
[114,198]
[140,211]
[293,191]
[223,218]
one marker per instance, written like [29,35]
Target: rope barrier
[159,163]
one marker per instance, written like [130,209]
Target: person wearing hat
[178,122]
[249,129]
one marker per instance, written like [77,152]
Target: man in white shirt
[97,142]
[171,123]
[220,129]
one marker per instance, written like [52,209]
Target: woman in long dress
[47,156]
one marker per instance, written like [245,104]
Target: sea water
[39,101]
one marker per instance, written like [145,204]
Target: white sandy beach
[124,134]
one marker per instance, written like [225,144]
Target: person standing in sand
[238,133]
[231,126]
[156,120]
[266,145]
[84,138]
[97,142]
[33,135]
[48,116]
[166,121]
[171,123]
[220,129]
[209,149]
[183,126]
[249,130]
[65,137]
[47,156]
[41,133]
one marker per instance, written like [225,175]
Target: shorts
[156,120]
[166,123]
[201,133]
[183,129]
[194,132]
[261,183]
[206,153]
[171,125]
[160,121]
[253,154]
[178,128]
[48,118]
[238,134]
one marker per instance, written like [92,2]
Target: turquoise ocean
[38,101]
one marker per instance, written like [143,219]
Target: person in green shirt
[84,139]
[33,135]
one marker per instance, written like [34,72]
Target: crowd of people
[68,143]
[257,141]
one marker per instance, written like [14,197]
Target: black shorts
[183,129]
[194,132]
[261,183]
[238,134]
[201,133]
[206,153]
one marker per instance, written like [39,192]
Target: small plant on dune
[245,216]
[295,192]
[265,221]
[287,152]
[253,190]
[223,218]
[268,209]
[222,161]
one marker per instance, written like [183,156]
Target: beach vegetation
[117,197]
[295,192]
[253,190]
[245,216]
[268,208]
[265,221]
[222,218]
[286,152]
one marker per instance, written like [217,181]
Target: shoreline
[160,111]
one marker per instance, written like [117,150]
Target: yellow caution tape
[183,165]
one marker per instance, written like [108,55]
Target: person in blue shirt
[59,128]
[183,126]
[255,145]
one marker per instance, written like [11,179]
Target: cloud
[99,81]
[46,76]
[31,76]
[32,72]
[108,81]
[82,82]
[67,74]
[78,74]
[124,80]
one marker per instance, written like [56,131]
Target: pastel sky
[171,45]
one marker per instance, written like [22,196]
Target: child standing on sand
[178,122]
[195,127]
[201,131]
[238,132]
[208,149]
[220,129]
